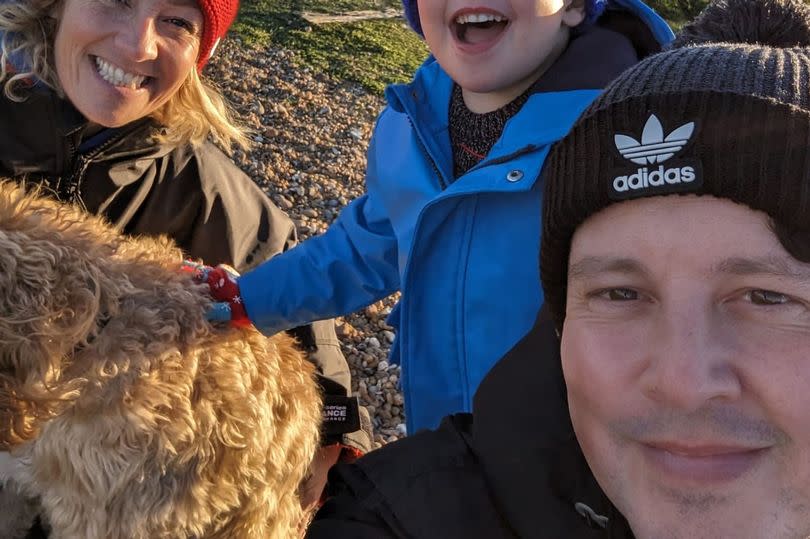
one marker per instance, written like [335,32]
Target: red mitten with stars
[223,283]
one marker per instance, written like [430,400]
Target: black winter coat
[512,469]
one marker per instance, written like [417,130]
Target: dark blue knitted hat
[593,8]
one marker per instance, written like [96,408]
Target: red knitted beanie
[218,16]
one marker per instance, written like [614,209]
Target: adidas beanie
[593,8]
[218,15]
[725,112]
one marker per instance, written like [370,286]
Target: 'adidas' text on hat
[655,148]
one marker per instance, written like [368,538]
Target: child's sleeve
[351,265]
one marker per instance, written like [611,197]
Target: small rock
[389,336]
[345,330]
[372,362]
[283,202]
[374,342]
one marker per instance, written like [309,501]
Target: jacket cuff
[341,415]
[345,421]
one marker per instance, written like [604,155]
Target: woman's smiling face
[119,60]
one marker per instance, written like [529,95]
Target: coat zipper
[71,190]
[442,183]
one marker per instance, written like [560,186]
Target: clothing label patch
[340,415]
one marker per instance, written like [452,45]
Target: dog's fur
[126,413]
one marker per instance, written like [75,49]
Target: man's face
[686,352]
[495,49]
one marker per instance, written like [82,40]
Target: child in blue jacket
[451,216]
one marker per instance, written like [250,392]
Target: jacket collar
[62,128]
[524,439]
[426,99]
[47,143]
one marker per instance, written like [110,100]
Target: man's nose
[691,360]
[138,39]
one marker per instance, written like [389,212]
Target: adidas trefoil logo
[654,148]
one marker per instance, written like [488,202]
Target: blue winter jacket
[464,253]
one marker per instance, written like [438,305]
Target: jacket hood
[526,444]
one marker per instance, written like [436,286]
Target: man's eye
[767,297]
[117,3]
[619,294]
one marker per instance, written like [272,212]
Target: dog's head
[69,284]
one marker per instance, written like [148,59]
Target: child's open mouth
[474,28]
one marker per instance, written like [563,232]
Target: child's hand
[222,283]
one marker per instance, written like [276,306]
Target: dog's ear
[49,312]
[52,288]
[53,300]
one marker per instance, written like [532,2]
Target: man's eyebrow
[780,267]
[592,265]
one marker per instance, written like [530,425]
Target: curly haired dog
[125,413]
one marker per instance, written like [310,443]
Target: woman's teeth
[474,18]
[117,76]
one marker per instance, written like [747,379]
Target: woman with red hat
[102,103]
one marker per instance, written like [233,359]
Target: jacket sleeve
[351,522]
[352,264]
[196,196]
[352,510]
[236,223]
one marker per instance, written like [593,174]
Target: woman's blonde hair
[27,33]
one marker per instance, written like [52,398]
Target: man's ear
[573,13]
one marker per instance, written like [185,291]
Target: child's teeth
[472,18]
